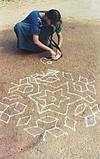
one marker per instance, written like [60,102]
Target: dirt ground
[76,74]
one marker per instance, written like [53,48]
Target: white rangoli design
[45,60]
[51,102]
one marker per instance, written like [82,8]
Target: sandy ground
[81,57]
[12,12]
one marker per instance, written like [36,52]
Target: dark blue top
[37,23]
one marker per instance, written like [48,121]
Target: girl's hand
[56,55]
[58,52]
[52,52]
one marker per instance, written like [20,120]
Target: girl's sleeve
[35,29]
[58,28]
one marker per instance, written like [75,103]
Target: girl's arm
[41,45]
[60,39]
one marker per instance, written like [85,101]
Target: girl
[34,31]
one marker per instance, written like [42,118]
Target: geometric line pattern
[51,102]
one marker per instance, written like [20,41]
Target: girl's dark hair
[54,15]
